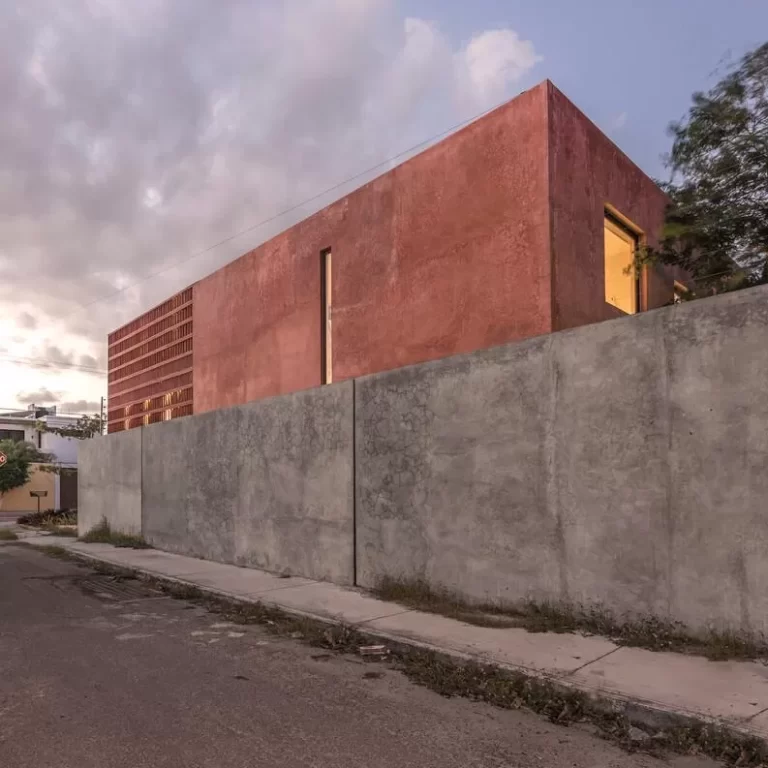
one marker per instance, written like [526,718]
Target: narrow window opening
[326,339]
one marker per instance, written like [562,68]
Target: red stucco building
[522,223]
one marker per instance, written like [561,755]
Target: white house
[22,425]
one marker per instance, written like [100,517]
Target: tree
[16,470]
[717,223]
[83,429]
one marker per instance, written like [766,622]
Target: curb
[635,724]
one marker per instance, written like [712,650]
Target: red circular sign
[3,459]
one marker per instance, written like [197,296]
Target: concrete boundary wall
[623,464]
[109,482]
[267,484]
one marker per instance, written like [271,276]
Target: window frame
[14,437]
[623,227]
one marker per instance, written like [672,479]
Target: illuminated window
[621,283]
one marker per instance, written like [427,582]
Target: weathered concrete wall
[267,484]
[623,464]
[109,482]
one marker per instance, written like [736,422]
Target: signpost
[38,494]
[3,458]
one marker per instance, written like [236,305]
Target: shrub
[49,517]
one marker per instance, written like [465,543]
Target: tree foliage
[717,224]
[16,470]
[83,429]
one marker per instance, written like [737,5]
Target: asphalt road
[97,673]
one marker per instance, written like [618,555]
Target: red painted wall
[493,235]
[588,171]
[447,253]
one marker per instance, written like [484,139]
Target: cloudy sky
[136,135]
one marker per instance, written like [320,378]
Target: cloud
[42,396]
[618,122]
[80,406]
[51,356]
[493,60]
[135,134]
[27,321]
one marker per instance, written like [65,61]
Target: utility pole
[101,416]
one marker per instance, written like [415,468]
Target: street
[99,673]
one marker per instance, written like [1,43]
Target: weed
[423,597]
[6,534]
[651,633]
[49,517]
[58,530]
[102,533]
[54,550]
[449,676]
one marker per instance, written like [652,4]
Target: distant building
[61,488]
[522,223]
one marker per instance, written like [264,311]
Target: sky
[144,144]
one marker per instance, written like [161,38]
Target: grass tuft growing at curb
[6,534]
[449,676]
[103,534]
[651,633]
[52,550]
[58,530]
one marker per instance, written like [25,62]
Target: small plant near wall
[103,534]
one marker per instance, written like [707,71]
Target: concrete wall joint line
[592,661]
[383,616]
[615,467]
[354,482]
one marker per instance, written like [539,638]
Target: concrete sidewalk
[650,686]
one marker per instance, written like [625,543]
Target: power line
[292,208]
[43,364]
[38,362]
[8,412]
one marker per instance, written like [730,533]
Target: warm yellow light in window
[620,274]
